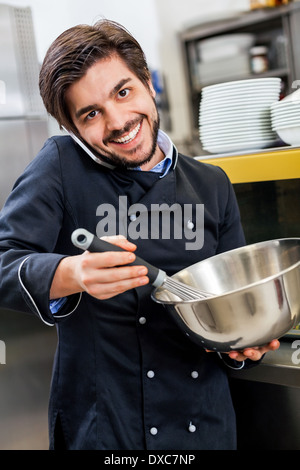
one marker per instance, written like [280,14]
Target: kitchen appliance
[23,119]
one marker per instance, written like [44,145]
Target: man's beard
[123,162]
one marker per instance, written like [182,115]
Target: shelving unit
[267,186]
[267,25]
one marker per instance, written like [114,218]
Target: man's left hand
[255,354]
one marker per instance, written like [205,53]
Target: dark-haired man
[125,376]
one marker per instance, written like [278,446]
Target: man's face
[115,113]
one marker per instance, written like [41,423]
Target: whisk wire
[184,291]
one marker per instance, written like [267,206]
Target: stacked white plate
[236,116]
[226,56]
[285,117]
[225,46]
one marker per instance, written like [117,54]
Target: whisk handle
[85,240]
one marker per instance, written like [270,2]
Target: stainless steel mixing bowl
[256,296]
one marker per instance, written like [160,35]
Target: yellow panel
[265,166]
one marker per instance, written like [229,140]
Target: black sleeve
[30,223]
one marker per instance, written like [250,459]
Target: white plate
[204,130]
[234,127]
[207,93]
[237,115]
[288,124]
[287,112]
[235,98]
[292,122]
[285,105]
[270,98]
[249,82]
[233,131]
[238,135]
[228,101]
[281,117]
[279,114]
[274,83]
[284,122]
[250,122]
[290,135]
[239,143]
[239,109]
[225,45]
[239,146]
[219,120]
[233,107]
[274,95]
[229,140]
[240,93]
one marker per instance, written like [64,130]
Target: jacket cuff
[232,363]
[238,365]
[35,276]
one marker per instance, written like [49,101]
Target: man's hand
[255,354]
[102,275]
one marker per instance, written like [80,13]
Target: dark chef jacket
[125,376]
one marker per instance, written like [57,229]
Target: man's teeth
[128,138]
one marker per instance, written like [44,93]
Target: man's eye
[92,114]
[124,93]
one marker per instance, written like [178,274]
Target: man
[125,376]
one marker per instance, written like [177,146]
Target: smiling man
[125,376]
[118,119]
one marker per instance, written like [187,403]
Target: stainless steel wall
[26,345]
[25,381]
[20,140]
[23,119]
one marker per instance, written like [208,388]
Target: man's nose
[115,119]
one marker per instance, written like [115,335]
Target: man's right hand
[102,275]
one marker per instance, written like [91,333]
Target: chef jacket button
[153,431]
[142,320]
[150,374]
[194,374]
[190,225]
[192,427]
[132,217]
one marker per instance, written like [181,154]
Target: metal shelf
[264,24]
[240,21]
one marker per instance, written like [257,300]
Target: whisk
[85,240]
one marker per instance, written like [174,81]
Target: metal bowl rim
[234,291]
